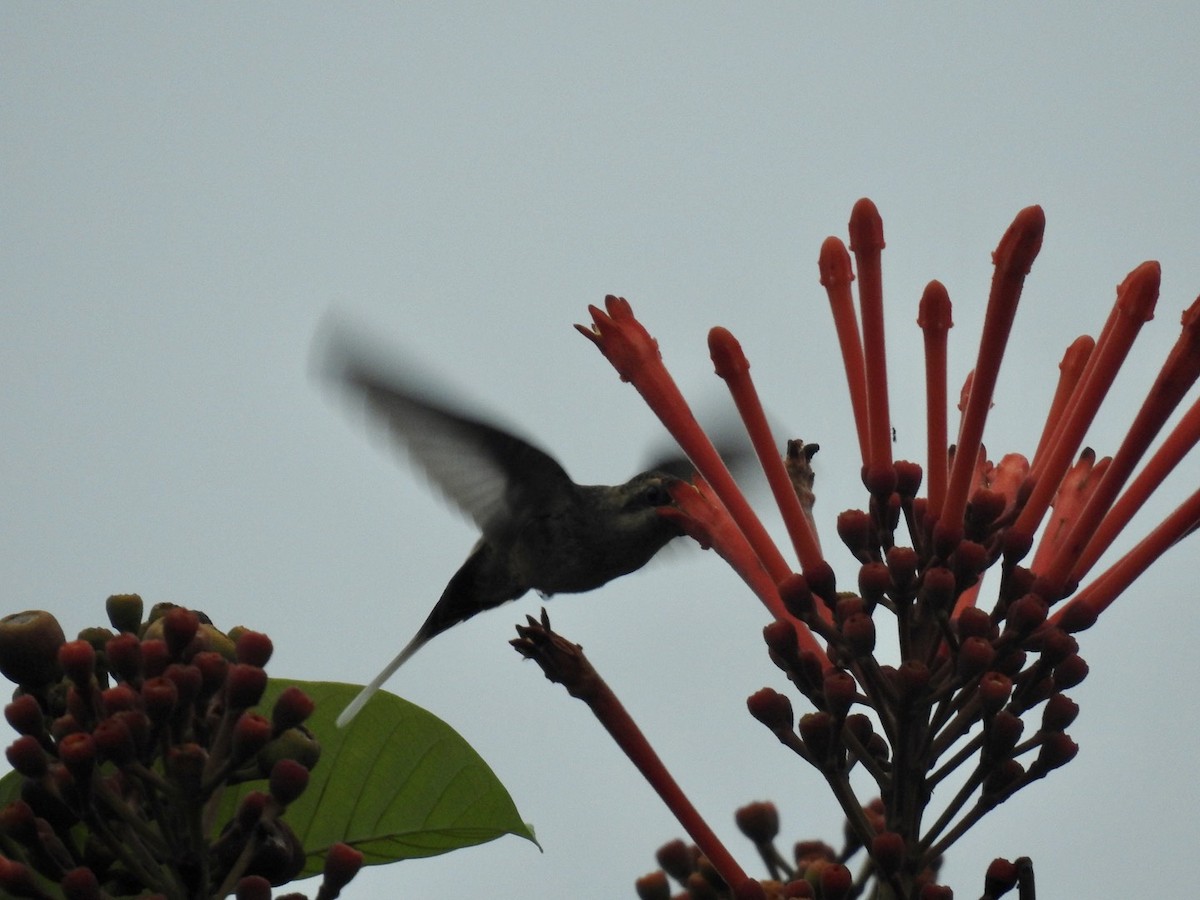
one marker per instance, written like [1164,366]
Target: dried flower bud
[124,612]
[29,643]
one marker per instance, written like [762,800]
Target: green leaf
[397,783]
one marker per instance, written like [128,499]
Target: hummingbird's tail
[353,707]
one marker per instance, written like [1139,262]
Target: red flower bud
[771,708]
[291,709]
[254,648]
[78,753]
[114,741]
[78,661]
[817,731]
[936,892]
[1002,733]
[994,691]
[17,880]
[179,627]
[1026,614]
[974,622]
[874,580]
[1060,711]
[118,698]
[213,668]
[80,884]
[124,655]
[758,821]
[1057,750]
[854,528]
[975,655]
[288,781]
[155,658]
[938,589]
[859,633]
[677,859]
[1070,672]
[27,756]
[160,696]
[342,863]
[251,733]
[887,850]
[18,822]
[244,685]
[839,689]
[1001,878]
[25,715]
[253,887]
[653,886]
[836,882]
[902,563]
[250,810]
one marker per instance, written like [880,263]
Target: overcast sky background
[188,190]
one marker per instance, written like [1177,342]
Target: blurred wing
[484,470]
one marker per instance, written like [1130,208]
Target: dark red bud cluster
[148,724]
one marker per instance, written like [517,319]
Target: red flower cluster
[130,738]
[956,713]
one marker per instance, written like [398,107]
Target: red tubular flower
[732,366]
[933,318]
[1013,259]
[866,243]
[836,276]
[1134,307]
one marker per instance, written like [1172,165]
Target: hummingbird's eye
[656,495]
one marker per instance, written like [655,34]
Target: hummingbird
[539,530]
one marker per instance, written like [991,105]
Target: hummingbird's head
[637,508]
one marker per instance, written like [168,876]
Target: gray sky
[187,191]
